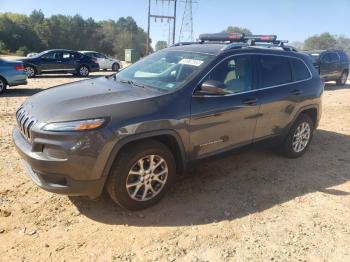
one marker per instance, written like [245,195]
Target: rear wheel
[3,85]
[343,78]
[298,138]
[30,71]
[83,71]
[141,175]
[115,67]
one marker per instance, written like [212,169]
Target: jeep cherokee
[131,133]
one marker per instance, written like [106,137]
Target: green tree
[161,45]
[236,29]
[319,42]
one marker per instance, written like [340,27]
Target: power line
[162,17]
[186,30]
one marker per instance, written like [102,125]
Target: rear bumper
[94,68]
[16,79]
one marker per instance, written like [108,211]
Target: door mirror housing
[212,87]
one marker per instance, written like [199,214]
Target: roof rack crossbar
[235,40]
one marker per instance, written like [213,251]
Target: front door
[222,122]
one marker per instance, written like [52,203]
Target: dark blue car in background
[11,74]
[58,61]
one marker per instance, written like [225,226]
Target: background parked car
[104,61]
[31,54]
[333,65]
[60,61]
[11,74]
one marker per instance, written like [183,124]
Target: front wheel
[342,79]
[298,138]
[83,71]
[115,67]
[141,175]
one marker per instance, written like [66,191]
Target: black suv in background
[135,131]
[333,65]
[60,61]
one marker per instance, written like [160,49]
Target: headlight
[79,125]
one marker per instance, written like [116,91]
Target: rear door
[278,94]
[329,66]
[219,123]
[68,63]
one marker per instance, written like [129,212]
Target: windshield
[166,70]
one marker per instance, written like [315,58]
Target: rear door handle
[296,92]
[250,101]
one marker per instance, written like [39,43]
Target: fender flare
[147,135]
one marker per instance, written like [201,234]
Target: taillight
[19,68]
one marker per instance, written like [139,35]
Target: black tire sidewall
[120,169]
[4,85]
[115,67]
[287,147]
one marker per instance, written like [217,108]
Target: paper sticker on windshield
[192,62]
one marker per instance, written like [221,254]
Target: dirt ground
[250,206]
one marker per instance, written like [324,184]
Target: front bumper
[57,175]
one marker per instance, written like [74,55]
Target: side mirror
[212,87]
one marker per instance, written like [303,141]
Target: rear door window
[300,71]
[274,70]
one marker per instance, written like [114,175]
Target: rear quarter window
[274,70]
[300,71]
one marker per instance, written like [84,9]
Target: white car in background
[104,61]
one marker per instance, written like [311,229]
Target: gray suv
[133,132]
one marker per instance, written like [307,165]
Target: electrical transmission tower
[162,17]
[186,30]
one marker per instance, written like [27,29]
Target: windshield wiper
[132,83]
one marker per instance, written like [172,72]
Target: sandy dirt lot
[250,206]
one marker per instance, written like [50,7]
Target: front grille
[25,122]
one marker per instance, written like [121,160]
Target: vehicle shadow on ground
[49,76]
[334,86]
[21,92]
[238,185]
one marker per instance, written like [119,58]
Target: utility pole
[186,30]
[161,17]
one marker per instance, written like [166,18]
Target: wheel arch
[312,111]
[4,79]
[167,137]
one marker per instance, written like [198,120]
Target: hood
[99,97]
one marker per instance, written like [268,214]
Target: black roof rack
[232,39]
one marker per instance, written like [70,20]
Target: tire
[342,79]
[30,71]
[115,67]
[289,148]
[126,170]
[83,71]
[3,85]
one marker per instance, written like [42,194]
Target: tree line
[22,34]
[316,42]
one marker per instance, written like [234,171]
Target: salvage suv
[133,132]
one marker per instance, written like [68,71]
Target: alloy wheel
[83,71]
[147,177]
[301,137]
[30,71]
[343,78]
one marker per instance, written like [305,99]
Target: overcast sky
[289,19]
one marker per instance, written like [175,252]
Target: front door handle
[296,92]
[250,101]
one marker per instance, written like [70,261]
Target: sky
[292,20]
